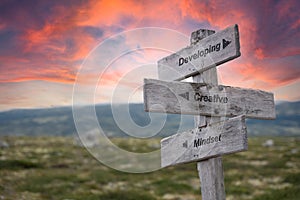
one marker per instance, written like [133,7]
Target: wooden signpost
[197,144]
[203,55]
[208,101]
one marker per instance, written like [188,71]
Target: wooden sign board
[217,139]
[207,53]
[198,98]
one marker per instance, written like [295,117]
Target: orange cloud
[259,74]
[2,26]
[51,46]
[61,79]
[123,15]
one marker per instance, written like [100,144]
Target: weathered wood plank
[198,98]
[212,179]
[217,139]
[211,170]
[205,54]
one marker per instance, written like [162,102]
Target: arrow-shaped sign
[221,138]
[207,53]
[195,98]
[225,43]
[185,95]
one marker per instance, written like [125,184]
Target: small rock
[294,151]
[268,143]
[154,145]
[4,144]
[255,182]
[88,139]
[168,196]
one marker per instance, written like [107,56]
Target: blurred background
[44,45]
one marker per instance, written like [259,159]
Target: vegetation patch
[18,164]
[50,168]
[126,195]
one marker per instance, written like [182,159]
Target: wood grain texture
[200,34]
[201,56]
[212,179]
[198,98]
[217,139]
[211,170]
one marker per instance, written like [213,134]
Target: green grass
[292,193]
[18,164]
[42,168]
[165,186]
[126,195]
[293,178]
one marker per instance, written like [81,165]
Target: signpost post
[208,101]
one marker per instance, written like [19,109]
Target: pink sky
[43,44]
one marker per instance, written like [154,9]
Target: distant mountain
[59,121]
[50,121]
[287,122]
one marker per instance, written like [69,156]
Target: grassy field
[54,168]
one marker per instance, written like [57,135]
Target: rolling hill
[59,121]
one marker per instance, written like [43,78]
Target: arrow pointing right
[225,43]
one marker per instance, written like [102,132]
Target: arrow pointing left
[185,95]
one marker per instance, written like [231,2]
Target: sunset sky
[43,45]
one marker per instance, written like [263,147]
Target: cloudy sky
[45,44]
